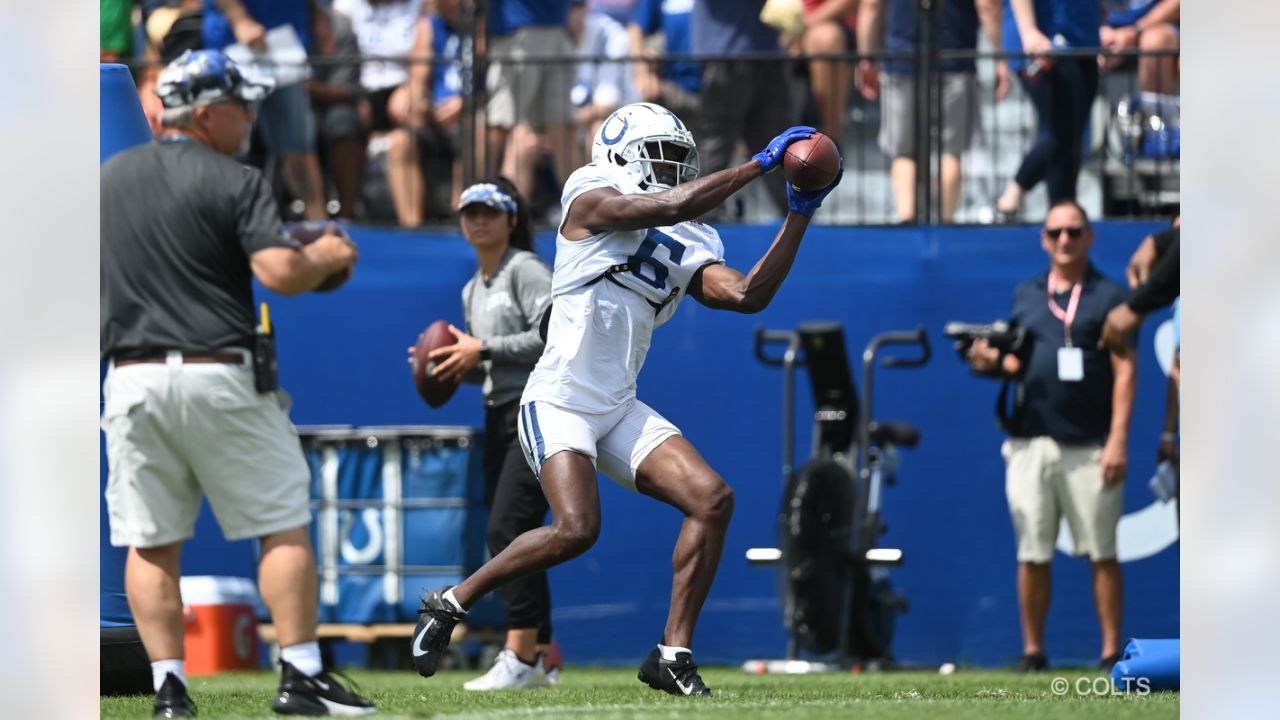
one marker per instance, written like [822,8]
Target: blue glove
[771,157]
[805,203]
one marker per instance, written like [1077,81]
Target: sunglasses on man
[1072,232]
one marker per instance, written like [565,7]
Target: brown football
[435,392]
[812,163]
[308,232]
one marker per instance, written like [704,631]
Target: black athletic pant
[516,505]
[1063,97]
[748,101]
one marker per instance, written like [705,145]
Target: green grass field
[615,693]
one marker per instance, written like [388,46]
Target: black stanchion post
[926,77]
[473,70]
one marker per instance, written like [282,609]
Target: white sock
[304,656]
[161,668]
[449,598]
[669,652]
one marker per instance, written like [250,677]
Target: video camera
[998,334]
[1009,341]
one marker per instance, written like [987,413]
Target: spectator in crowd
[1155,278]
[176,28]
[285,121]
[171,29]
[503,305]
[891,25]
[115,28]
[829,30]
[1067,450]
[529,99]
[398,94]
[620,10]
[1061,89]
[337,101]
[601,86]
[187,412]
[439,36]
[661,27]
[1151,26]
[742,101]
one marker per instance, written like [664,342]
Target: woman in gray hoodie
[503,304]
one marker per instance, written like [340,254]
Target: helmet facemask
[666,163]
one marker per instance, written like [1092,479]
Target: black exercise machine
[837,597]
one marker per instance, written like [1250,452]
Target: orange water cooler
[221,624]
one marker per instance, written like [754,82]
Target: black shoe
[1110,661]
[678,677]
[436,619]
[172,700]
[1033,663]
[321,694]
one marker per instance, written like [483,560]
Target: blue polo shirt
[728,27]
[957,30]
[508,16]
[1077,21]
[673,18]
[1077,413]
[270,13]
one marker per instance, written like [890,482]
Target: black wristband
[486,352]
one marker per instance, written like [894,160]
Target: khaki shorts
[177,432]
[898,112]
[1044,482]
[524,89]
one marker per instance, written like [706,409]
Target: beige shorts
[177,432]
[522,88]
[898,112]
[1045,482]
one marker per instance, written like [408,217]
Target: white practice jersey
[600,329]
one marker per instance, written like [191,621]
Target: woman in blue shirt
[1061,88]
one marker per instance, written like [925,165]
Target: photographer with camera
[1066,454]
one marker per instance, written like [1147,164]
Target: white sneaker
[552,677]
[508,673]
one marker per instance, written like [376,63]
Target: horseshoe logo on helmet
[604,130]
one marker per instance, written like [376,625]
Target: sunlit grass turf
[615,693]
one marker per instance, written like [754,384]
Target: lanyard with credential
[1070,314]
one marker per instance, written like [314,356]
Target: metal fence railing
[1129,140]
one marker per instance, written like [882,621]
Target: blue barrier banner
[342,356]
[397,511]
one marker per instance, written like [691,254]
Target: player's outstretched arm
[607,209]
[723,288]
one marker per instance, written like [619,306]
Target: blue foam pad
[123,125]
[121,120]
[1148,665]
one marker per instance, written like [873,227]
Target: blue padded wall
[342,355]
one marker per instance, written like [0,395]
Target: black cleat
[321,694]
[436,620]
[1032,663]
[678,677]
[172,700]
